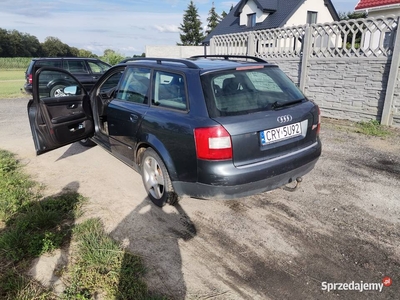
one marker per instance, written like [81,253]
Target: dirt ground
[341,226]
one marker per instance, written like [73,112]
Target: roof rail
[227,56]
[159,60]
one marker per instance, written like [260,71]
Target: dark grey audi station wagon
[209,127]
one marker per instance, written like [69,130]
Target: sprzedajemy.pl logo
[356,286]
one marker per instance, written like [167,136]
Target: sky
[125,26]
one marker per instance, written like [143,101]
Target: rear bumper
[28,88]
[224,181]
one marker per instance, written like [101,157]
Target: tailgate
[268,135]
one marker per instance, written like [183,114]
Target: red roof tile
[363,4]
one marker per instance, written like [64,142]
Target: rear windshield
[238,92]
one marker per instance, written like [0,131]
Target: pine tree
[223,15]
[192,32]
[213,19]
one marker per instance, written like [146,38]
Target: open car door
[60,112]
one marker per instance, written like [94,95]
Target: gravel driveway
[341,226]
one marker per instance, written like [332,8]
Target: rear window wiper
[277,104]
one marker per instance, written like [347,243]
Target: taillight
[213,143]
[30,79]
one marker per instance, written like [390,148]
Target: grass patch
[11,82]
[373,128]
[13,74]
[16,188]
[31,226]
[11,89]
[101,265]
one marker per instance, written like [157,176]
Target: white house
[250,15]
[379,8]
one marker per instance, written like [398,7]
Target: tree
[86,53]
[192,34]
[112,57]
[213,19]
[224,13]
[73,51]
[31,45]
[53,47]
[351,15]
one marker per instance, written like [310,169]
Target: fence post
[391,85]
[251,45]
[305,55]
[212,46]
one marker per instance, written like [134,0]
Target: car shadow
[73,149]
[155,234]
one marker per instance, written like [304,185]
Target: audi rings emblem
[285,119]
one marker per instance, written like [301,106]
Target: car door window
[98,67]
[52,84]
[135,86]
[76,66]
[169,90]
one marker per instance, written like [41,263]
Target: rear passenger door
[126,111]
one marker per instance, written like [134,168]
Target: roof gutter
[379,8]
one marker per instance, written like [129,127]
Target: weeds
[16,189]
[372,127]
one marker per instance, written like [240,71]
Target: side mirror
[71,90]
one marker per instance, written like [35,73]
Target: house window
[312,17]
[251,20]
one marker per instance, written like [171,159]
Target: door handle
[133,118]
[72,106]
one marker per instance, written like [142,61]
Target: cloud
[228,4]
[166,28]
[125,26]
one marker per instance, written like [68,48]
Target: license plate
[281,133]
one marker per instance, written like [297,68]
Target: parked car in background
[206,127]
[86,70]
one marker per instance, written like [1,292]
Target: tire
[87,143]
[57,91]
[156,179]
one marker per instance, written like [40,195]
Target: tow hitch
[292,189]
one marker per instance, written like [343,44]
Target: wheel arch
[161,150]
[54,83]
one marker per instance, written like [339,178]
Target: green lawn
[14,74]
[11,82]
